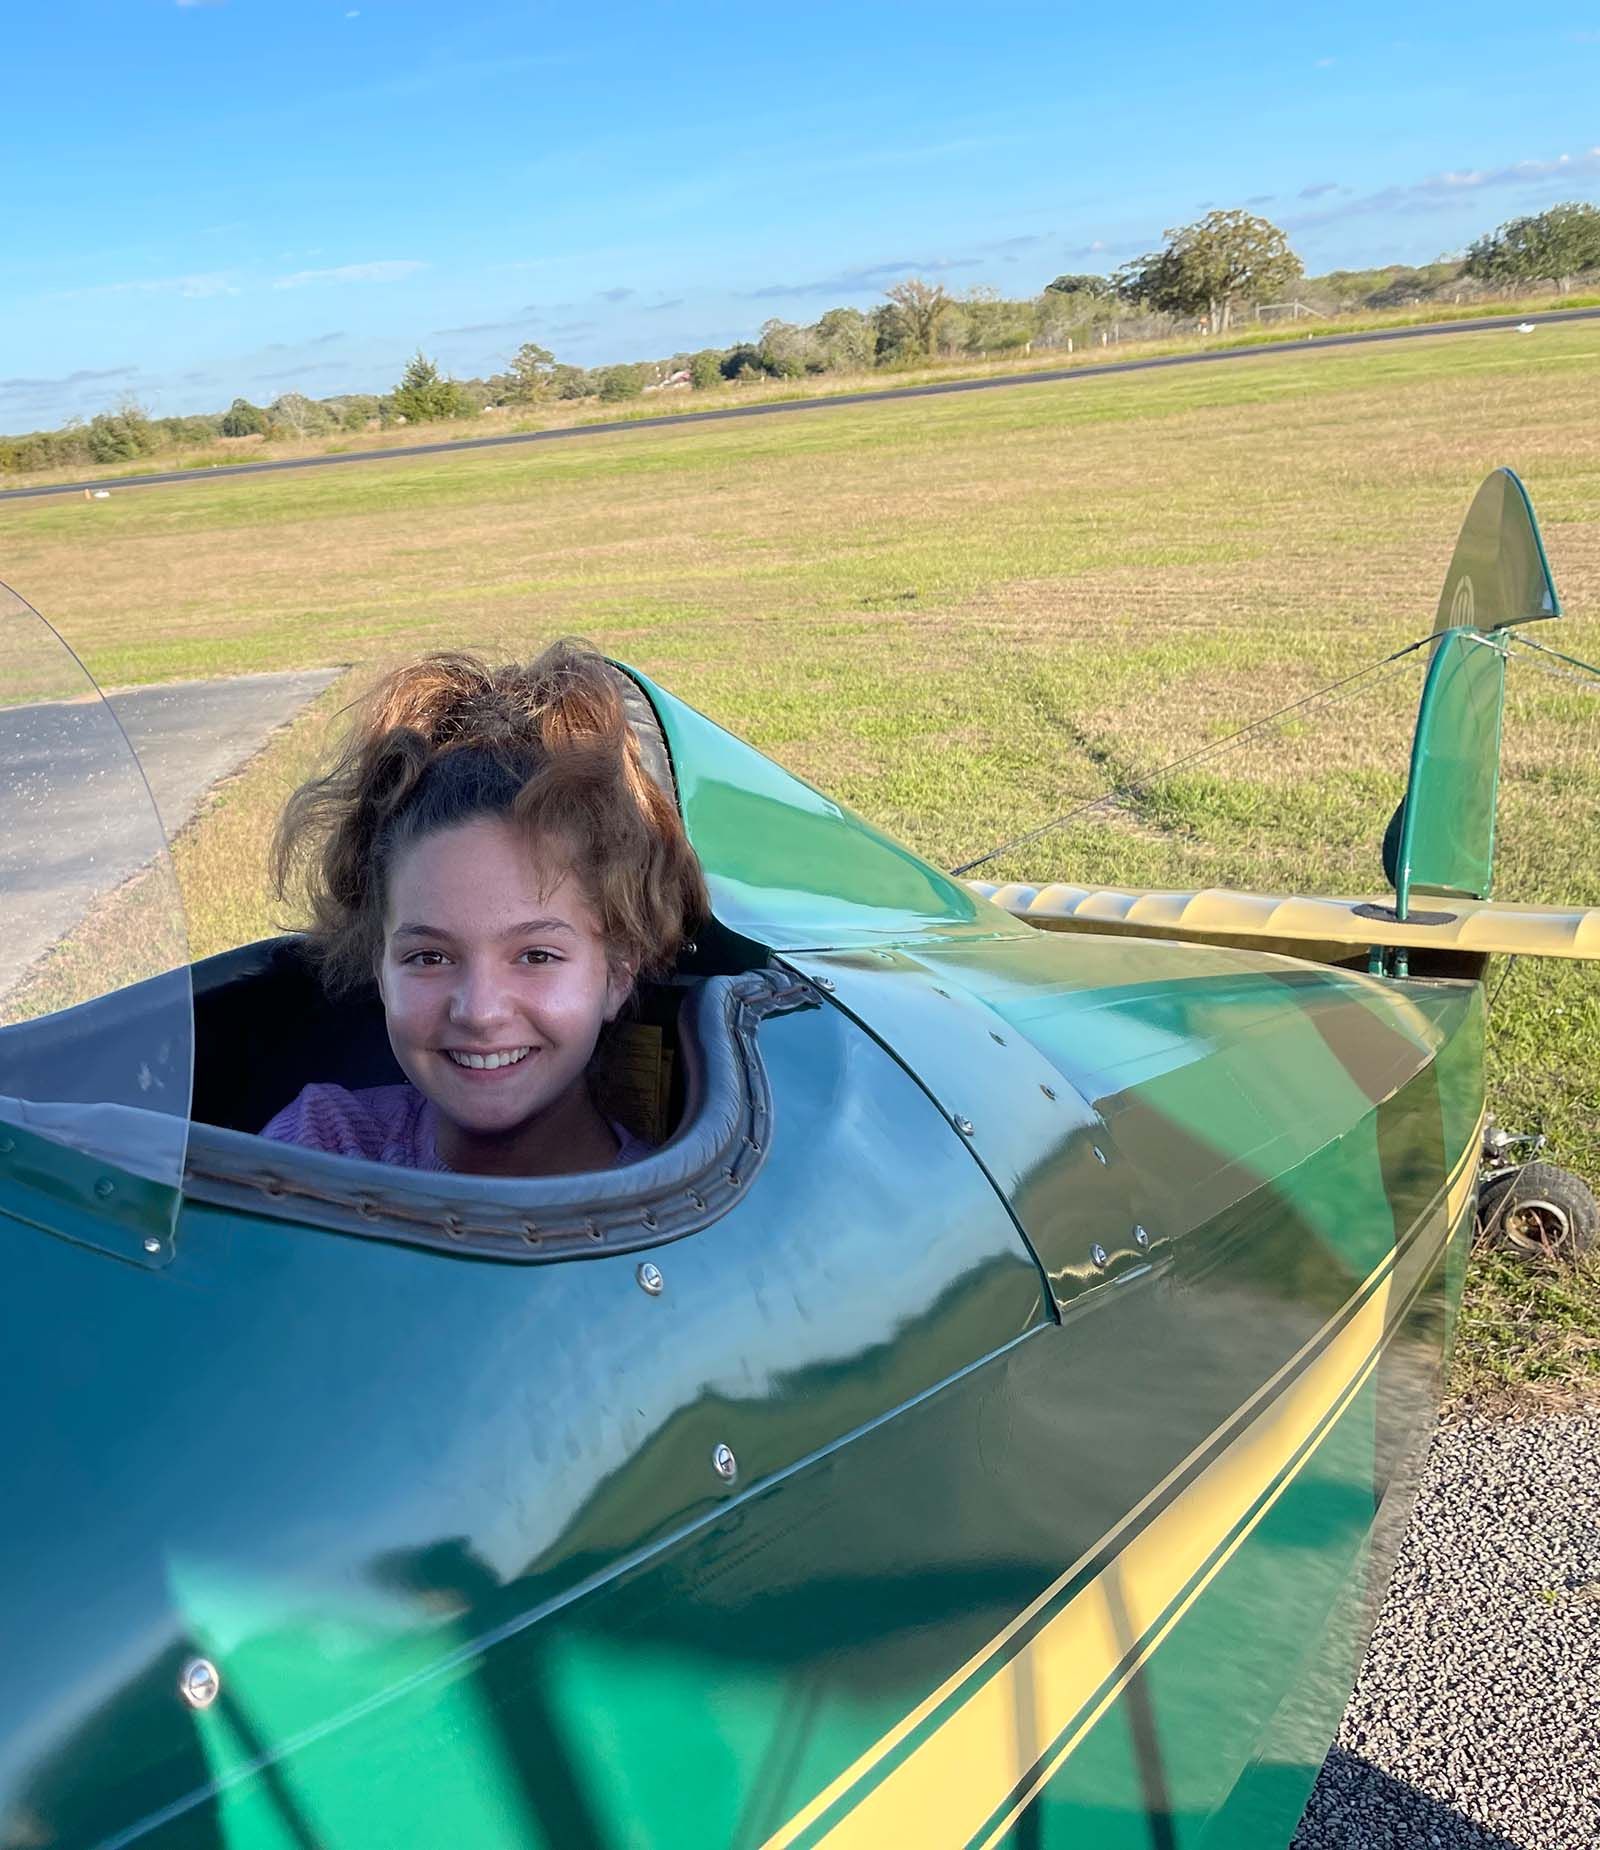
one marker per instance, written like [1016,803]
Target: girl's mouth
[487,1062]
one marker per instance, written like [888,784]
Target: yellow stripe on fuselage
[951,1781]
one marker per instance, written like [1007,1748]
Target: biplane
[987,1418]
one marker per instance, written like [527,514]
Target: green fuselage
[1072,1343]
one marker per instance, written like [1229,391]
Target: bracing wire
[1333,691]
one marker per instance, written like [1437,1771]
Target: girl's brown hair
[449,738]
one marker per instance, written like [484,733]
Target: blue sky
[252,196]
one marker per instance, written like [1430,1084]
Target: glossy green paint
[456,1544]
[789,868]
[1448,821]
[1498,578]
[450,1528]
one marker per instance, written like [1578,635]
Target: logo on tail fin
[1463,606]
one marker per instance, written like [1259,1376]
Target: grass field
[962,615]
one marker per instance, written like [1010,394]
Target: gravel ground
[1475,1723]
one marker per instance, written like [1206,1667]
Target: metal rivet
[724,1463]
[152,1245]
[199,1684]
[998,1039]
[1141,1236]
[827,983]
[1099,1255]
[1099,1154]
[7,1145]
[1048,1091]
[104,1187]
[964,1125]
[650,1279]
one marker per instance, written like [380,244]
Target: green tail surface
[1441,840]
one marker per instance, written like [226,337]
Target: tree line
[1201,279]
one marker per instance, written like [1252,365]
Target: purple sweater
[383,1124]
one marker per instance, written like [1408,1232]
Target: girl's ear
[619,986]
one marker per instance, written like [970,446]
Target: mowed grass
[963,616]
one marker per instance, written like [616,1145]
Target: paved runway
[75,818]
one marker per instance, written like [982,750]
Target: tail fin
[1441,838]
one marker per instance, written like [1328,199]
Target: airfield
[965,614]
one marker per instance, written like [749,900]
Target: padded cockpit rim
[681,1188]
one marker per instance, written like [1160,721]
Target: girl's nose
[478,1000]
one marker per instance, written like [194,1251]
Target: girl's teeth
[489,1059]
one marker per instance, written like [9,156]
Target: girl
[489,845]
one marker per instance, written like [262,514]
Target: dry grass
[962,615]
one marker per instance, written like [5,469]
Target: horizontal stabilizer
[1285,921]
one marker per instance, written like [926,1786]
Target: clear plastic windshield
[96,1023]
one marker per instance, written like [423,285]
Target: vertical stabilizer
[1442,837]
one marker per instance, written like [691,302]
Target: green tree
[1209,267]
[1551,246]
[1090,287]
[242,419]
[121,435]
[922,307]
[530,375]
[619,382]
[571,382]
[991,323]
[302,415]
[423,394]
[846,340]
[743,362]
[705,369]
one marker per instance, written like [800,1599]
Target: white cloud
[389,271]
[1442,189]
[194,286]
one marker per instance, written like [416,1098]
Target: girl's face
[496,984]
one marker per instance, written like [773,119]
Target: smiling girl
[490,848]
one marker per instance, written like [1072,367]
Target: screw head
[998,1039]
[198,1683]
[1048,1091]
[650,1279]
[1141,1236]
[724,1463]
[964,1125]
[1099,1254]
[152,1245]
[1099,1154]
[827,983]
[105,1187]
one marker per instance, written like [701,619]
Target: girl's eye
[425,960]
[536,956]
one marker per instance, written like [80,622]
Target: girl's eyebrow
[526,928]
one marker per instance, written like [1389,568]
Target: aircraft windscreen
[96,1024]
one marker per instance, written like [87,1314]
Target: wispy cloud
[66,382]
[655,308]
[871,276]
[481,327]
[296,372]
[1440,190]
[1261,199]
[390,270]
[1325,64]
[1318,189]
[615,295]
[574,327]
[193,287]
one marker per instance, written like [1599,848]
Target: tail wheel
[1540,1209]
